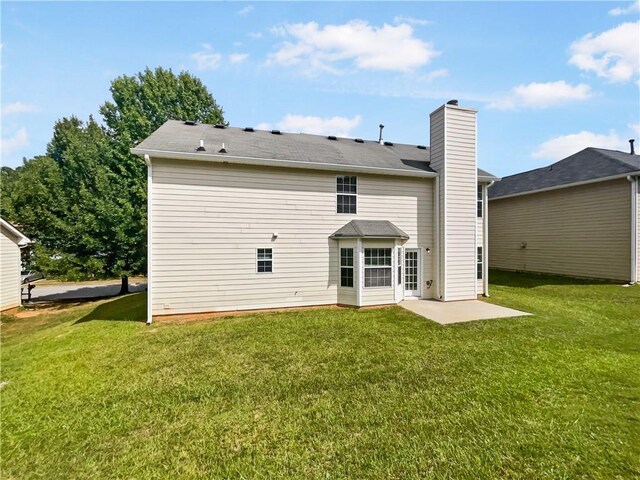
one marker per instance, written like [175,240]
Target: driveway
[81,290]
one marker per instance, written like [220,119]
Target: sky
[547,78]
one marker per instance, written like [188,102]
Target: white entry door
[412,272]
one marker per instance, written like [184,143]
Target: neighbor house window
[479,263]
[377,267]
[480,199]
[399,266]
[264,260]
[347,190]
[346,267]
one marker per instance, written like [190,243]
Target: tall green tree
[140,104]
[85,201]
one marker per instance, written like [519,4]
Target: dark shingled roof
[177,136]
[588,164]
[370,229]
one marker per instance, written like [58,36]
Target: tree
[84,203]
[141,104]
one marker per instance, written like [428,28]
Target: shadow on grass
[129,308]
[532,280]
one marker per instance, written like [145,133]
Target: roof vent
[332,137]
[632,152]
[222,150]
[359,140]
[389,144]
[276,132]
[248,129]
[380,137]
[453,102]
[219,125]
[422,147]
[190,122]
[201,147]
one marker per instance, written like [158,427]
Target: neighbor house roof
[369,229]
[18,237]
[590,164]
[180,140]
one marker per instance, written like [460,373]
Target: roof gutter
[567,185]
[147,160]
[272,162]
[22,240]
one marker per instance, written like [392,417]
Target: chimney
[380,141]
[453,156]
[632,152]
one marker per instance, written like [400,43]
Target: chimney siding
[453,156]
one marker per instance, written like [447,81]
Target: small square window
[264,260]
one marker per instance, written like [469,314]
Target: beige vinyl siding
[581,231]
[453,154]
[437,155]
[209,219]
[10,272]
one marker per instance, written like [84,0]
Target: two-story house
[242,219]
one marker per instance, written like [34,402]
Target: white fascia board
[22,239]
[271,162]
[567,185]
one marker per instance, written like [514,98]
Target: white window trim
[480,201]
[364,263]
[481,262]
[348,194]
[256,260]
[352,267]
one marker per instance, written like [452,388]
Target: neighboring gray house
[577,217]
[243,219]
[11,241]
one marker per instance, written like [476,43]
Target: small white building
[241,219]
[11,241]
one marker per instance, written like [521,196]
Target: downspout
[634,229]
[485,240]
[147,160]
[436,259]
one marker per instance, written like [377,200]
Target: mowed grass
[330,393]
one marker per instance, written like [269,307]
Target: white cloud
[542,95]
[613,54]
[634,7]
[206,60]
[238,57]
[635,128]
[17,107]
[338,126]
[564,145]
[246,10]
[18,141]
[255,34]
[263,126]
[411,20]
[329,48]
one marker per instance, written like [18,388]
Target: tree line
[83,201]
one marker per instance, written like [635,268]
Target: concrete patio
[445,313]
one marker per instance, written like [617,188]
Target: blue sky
[548,79]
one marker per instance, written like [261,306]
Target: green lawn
[330,393]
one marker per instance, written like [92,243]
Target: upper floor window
[347,190]
[480,201]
